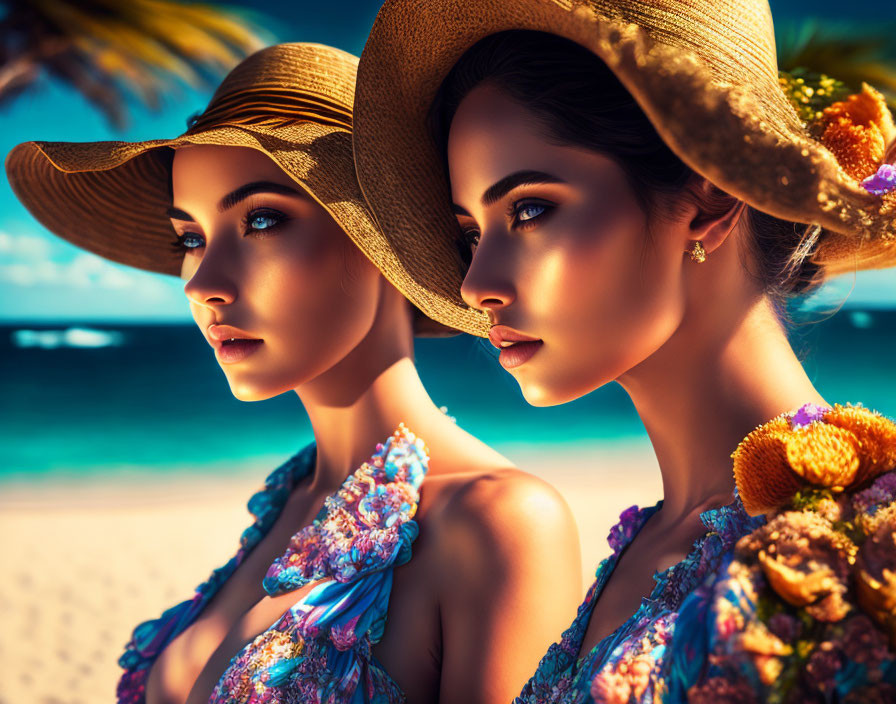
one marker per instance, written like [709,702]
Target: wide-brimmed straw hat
[703,71]
[292,102]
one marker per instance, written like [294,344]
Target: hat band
[270,108]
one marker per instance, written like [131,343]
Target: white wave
[70,337]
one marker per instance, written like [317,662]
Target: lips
[232,344]
[516,348]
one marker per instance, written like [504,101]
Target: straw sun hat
[293,102]
[703,71]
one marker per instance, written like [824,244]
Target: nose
[211,283]
[488,284]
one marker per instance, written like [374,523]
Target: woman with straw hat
[293,285]
[626,190]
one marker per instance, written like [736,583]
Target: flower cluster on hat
[858,131]
[858,128]
[810,92]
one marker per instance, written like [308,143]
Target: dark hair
[579,101]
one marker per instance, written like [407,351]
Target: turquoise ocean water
[116,400]
[82,398]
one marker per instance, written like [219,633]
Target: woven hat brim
[754,146]
[116,211]
[111,198]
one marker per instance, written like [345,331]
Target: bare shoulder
[492,497]
[466,477]
[506,516]
[480,516]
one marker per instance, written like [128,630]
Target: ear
[717,214]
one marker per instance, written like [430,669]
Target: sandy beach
[84,562]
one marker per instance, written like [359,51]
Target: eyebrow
[243,192]
[238,195]
[178,214]
[520,178]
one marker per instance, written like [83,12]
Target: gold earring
[697,252]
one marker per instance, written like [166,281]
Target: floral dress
[789,597]
[320,649]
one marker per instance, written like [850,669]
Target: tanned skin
[563,253]
[495,574]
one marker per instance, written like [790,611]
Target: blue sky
[43,278]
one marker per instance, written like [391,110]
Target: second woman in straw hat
[331,596]
[623,191]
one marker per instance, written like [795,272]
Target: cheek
[603,297]
[594,267]
[322,289]
[314,301]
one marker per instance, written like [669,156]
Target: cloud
[29,247]
[83,271]
[43,276]
[30,261]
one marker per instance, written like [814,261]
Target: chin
[542,392]
[244,390]
[541,395]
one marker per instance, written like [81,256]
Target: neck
[360,403]
[707,388]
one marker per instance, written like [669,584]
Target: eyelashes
[262,220]
[187,241]
[522,215]
[470,237]
[529,212]
[257,222]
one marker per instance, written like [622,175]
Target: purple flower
[884,181]
[881,492]
[132,686]
[807,414]
[824,664]
[343,636]
[866,644]
[622,533]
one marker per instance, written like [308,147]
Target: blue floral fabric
[627,665]
[320,648]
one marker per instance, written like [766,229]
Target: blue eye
[189,240]
[524,213]
[263,220]
[530,212]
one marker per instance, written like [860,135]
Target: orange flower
[849,447]
[876,435]
[857,131]
[805,561]
[763,476]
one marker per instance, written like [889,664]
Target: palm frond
[111,50]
